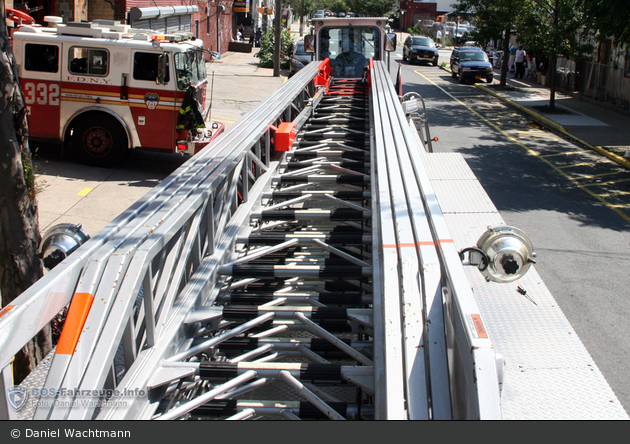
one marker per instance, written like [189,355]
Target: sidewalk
[589,124]
[237,84]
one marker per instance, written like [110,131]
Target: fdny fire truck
[104,87]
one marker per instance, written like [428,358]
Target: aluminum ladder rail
[28,314]
[117,323]
[473,379]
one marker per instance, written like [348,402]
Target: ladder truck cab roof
[349,43]
[114,32]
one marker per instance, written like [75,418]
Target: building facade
[214,21]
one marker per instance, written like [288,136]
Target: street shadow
[519,182]
[137,168]
[515,179]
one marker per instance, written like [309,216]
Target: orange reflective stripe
[77,314]
[403,245]
[446,241]
[6,309]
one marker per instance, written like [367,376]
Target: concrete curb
[550,124]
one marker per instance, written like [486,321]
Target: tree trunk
[506,57]
[278,38]
[20,265]
[553,59]
[553,62]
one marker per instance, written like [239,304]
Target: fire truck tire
[99,140]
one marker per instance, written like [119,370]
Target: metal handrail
[38,305]
[152,275]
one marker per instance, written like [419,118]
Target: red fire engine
[105,87]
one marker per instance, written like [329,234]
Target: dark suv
[419,48]
[470,63]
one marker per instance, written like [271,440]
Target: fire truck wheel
[99,141]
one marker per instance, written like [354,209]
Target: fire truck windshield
[349,48]
[190,68]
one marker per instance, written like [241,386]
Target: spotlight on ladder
[59,242]
[502,254]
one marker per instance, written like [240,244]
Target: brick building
[413,10]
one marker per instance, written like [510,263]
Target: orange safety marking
[77,314]
[6,309]
[323,77]
[481,330]
[426,243]
[446,241]
[285,136]
[403,245]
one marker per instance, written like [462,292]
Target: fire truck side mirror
[309,46]
[390,42]
[162,67]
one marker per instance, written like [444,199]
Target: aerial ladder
[311,263]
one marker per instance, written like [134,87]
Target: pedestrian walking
[438,36]
[258,37]
[252,36]
[511,58]
[519,61]
[531,67]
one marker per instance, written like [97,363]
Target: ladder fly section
[255,283]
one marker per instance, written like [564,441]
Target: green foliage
[556,27]
[493,17]
[416,30]
[338,6]
[552,27]
[609,18]
[29,173]
[310,6]
[267,49]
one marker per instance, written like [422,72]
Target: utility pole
[277,39]
[302,19]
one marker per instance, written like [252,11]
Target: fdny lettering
[97,80]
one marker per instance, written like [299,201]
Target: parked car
[458,35]
[470,63]
[418,48]
[300,58]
